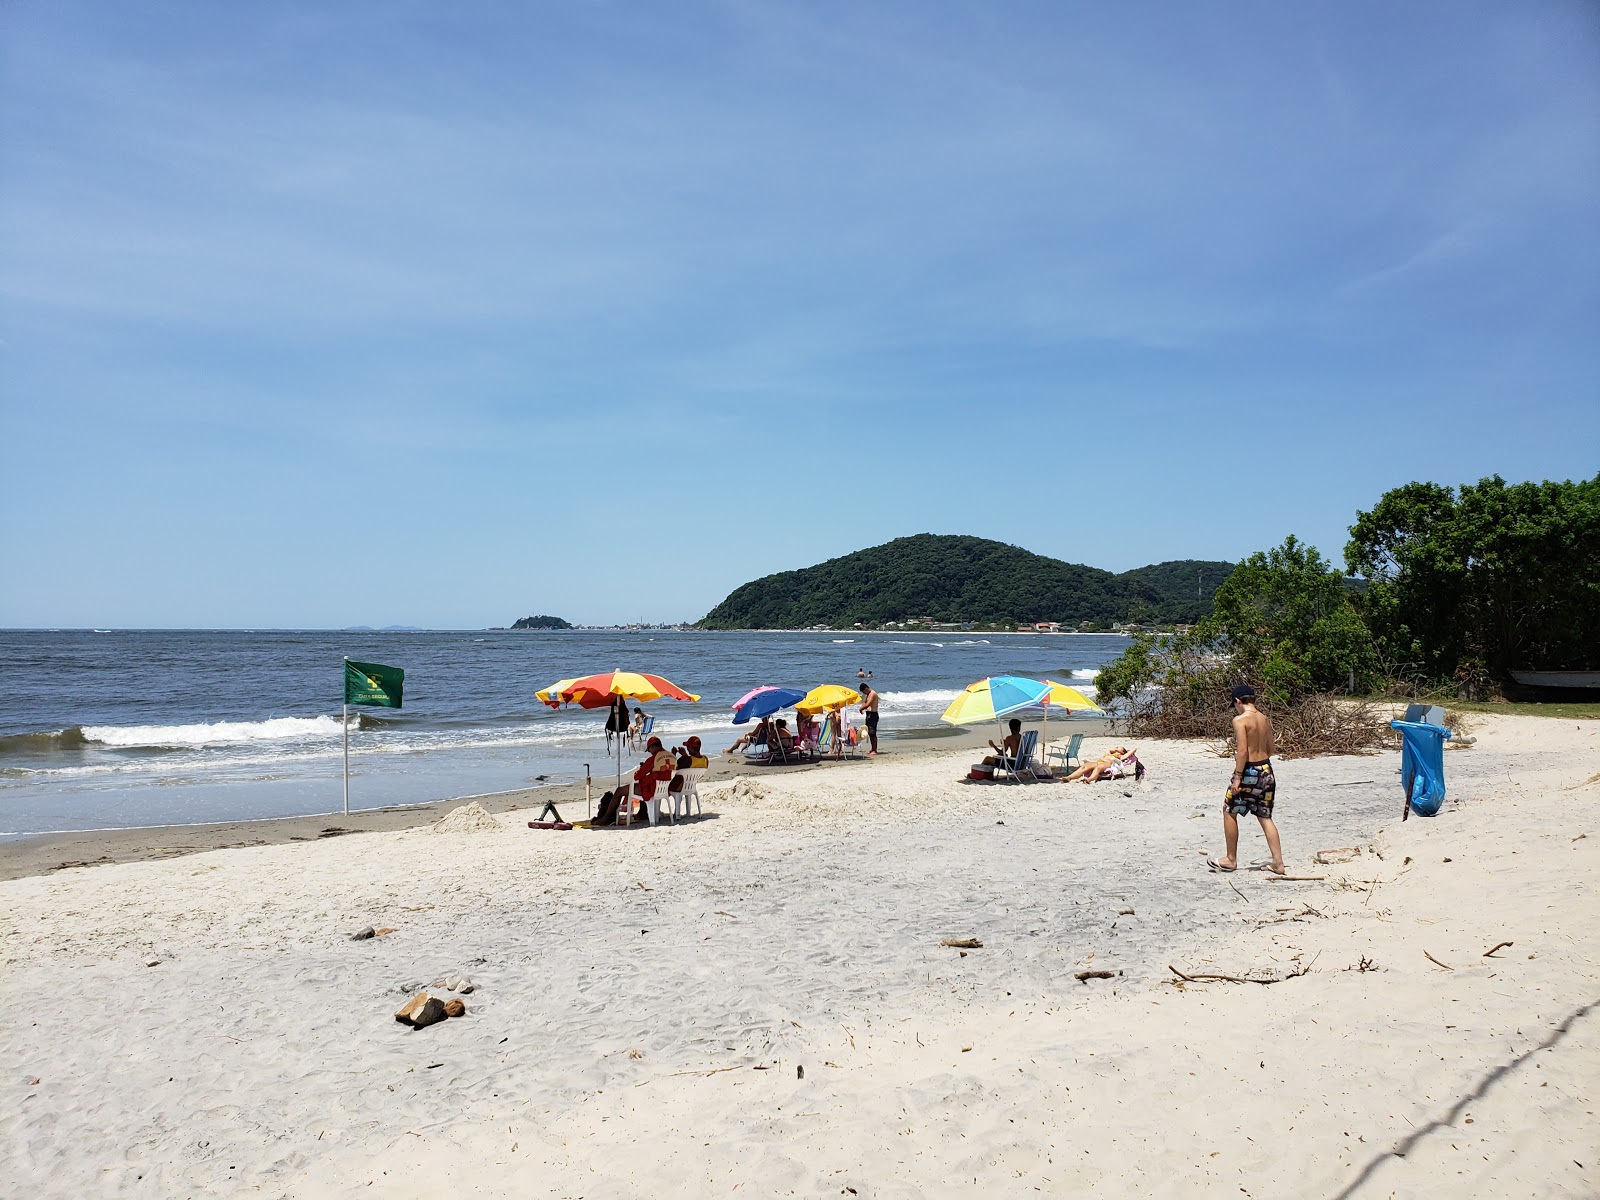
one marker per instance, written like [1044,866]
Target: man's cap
[692,742]
[1243,691]
[653,744]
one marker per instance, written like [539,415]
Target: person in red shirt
[658,767]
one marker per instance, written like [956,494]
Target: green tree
[1478,580]
[1286,619]
[1283,621]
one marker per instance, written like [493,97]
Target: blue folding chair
[1421,766]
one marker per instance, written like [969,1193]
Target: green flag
[369,683]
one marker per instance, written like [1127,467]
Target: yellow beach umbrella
[826,698]
[1062,696]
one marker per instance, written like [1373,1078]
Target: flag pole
[346,725]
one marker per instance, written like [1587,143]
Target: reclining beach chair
[825,742]
[1128,764]
[1065,755]
[635,740]
[1013,769]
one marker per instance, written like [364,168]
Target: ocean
[129,728]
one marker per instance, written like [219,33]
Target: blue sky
[369,313]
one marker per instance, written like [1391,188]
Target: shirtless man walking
[1252,788]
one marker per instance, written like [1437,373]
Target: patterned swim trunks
[1255,792]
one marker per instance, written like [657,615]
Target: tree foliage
[1469,583]
[952,578]
[541,622]
[1283,621]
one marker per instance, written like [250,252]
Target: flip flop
[1216,865]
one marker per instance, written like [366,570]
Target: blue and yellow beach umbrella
[992,698]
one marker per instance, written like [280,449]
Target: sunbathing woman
[1100,767]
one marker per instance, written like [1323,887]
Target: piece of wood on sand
[1085,976]
[966,943]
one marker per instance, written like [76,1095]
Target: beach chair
[853,741]
[652,806]
[1066,754]
[1129,764]
[825,741]
[690,793]
[635,740]
[1013,768]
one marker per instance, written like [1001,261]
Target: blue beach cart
[1421,766]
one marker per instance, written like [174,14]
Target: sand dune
[647,999]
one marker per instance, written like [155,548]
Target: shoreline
[44,853]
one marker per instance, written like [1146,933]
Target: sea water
[123,728]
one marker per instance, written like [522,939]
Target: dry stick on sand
[1489,953]
[1294,878]
[1238,893]
[1436,962]
[1234,978]
[1085,976]
[963,943]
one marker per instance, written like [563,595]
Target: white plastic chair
[652,806]
[690,793]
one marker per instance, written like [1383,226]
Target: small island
[541,622]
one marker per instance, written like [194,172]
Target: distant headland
[973,583]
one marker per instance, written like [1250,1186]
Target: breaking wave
[218,733]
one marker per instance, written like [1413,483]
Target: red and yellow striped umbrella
[595,691]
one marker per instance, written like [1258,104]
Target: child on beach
[1252,789]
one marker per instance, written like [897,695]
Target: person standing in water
[1252,789]
[869,707]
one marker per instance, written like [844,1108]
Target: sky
[372,313]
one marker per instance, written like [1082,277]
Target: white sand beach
[756,1002]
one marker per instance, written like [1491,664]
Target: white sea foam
[933,701]
[218,733]
[1089,673]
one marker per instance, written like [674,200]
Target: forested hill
[952,578]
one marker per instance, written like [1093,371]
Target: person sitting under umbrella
[658,767]
[689,757]
[1005,754]
[756,737]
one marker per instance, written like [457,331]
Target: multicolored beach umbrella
[631,685]
[596,691]
[763,702]
[995,697]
